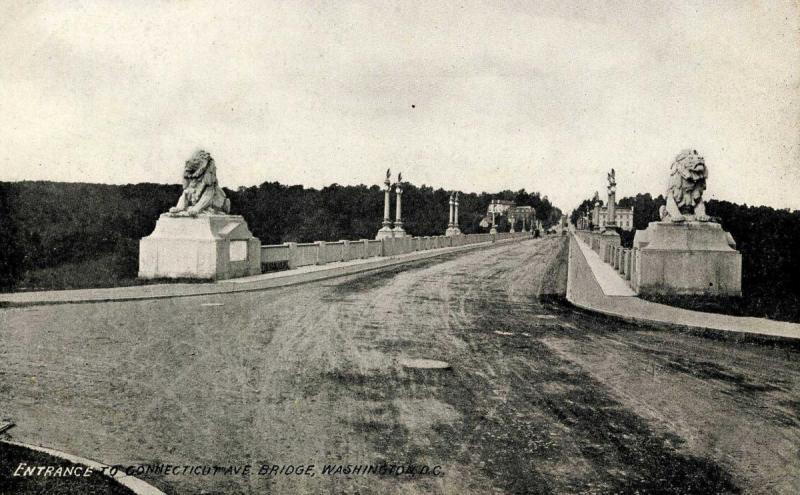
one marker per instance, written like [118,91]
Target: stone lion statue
[687,181]
[201,192]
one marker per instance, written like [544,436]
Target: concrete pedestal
[451,231]
[608,238]
[209,247]
[687,258]
[611,237]
[385,232]
[399,232]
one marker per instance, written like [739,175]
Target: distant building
[514,213]
[623,218]
[499,207]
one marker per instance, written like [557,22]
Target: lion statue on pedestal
[687,181]
[201,192]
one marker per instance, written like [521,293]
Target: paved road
[540,398]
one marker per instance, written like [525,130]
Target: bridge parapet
[295,255]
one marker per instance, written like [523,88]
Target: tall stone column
[452,208]
[512,220]
[386,220]
[611,210]
[386,230]
[494,228]
[398,220]
[450,223]
[456,228]
[610,236]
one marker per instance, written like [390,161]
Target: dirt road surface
[539,398]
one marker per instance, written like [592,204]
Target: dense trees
[769,241]
[585,208]
[46,226]
[278,213]
[11,257]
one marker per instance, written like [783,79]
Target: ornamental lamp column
[452,211]
[386,230]
[451,203]
[386,220]
[493,229]
[611,210]
[398,221]
[456,229]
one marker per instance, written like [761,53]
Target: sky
[546,95]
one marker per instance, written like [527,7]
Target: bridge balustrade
[374,248]
[321,252]
[272,254]
[302,254]
[624,260]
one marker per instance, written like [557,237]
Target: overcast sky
[545,96]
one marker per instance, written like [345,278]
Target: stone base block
[687,258]
[610,236]
[386,232]
[451,231]
[399,232]
[207,247]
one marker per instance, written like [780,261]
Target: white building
[623,220]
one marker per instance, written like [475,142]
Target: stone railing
[295,254]
[623,260]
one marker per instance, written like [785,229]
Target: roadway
[540,397]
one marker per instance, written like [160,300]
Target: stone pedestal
[611,237]
[608,238]
[386,232]
[687,258]
[208,246]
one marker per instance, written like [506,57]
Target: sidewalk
[591,287]
[257,282]
[610,282]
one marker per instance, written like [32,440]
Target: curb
[136,485]
[717,333]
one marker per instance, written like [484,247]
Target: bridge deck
[538,396]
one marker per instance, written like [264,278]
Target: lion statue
[201,192]
[687,181]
